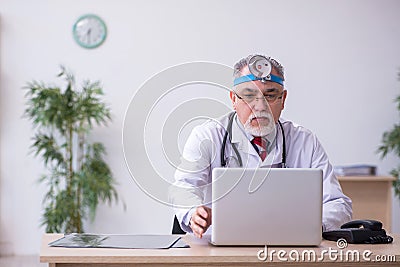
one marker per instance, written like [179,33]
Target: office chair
[176,228]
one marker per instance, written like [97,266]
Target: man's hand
[200,221]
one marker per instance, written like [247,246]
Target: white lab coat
[201,155]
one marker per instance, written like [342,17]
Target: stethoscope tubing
[228,133]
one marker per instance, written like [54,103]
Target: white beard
[260,130]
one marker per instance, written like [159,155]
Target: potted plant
[391,143]
[78,178]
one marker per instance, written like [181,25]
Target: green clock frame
[85,26]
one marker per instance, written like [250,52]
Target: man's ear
[233,99]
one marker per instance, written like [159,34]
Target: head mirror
[260,66]
[260,69]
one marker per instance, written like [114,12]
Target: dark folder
[119,241]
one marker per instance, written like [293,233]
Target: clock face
[89,31]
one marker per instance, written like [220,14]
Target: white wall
[341,60]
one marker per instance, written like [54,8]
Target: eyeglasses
[249,98]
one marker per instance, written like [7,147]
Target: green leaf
[47,145]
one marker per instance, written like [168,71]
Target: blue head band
[260,68]
[251,77]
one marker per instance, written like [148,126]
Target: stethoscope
[228,133]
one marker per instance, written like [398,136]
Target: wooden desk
[202,254]
[371,196]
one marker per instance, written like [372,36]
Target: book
[355,169]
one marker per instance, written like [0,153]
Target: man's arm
[192,180]
[336,208]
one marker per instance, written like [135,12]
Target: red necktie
[262,146]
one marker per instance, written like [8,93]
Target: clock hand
[88,33]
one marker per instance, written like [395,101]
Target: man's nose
[261,104]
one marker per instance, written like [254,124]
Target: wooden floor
[21,261]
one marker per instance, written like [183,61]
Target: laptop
[266,206]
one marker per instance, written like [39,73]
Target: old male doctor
[252,136]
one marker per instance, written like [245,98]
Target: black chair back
[176,228]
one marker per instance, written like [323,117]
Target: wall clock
[89,31]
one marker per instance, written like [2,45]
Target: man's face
[258,116]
